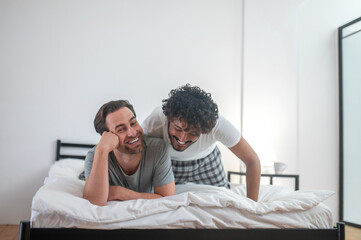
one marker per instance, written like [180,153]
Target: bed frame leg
[24,230]
[341,230]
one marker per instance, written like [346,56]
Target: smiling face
[130,134]
[182,136]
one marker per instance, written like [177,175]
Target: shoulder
[226,132]
[93,149]
[154,142]
[221,119]
[157,113]
[90,154]
[156,148]
[155,123]
[222,123]
[88,162]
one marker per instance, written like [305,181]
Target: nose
[182,136]
[131,132]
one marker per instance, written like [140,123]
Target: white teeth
[181,143]
[135,140]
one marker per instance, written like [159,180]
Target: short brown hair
[110,107]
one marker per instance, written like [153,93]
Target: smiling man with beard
[190,123]
[126,164]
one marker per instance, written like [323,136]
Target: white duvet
[59,203]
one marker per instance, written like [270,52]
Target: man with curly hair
[189,121]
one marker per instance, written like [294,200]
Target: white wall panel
[61,60]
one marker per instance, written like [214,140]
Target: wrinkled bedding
[59,203]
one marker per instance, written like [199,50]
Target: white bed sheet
[59,203]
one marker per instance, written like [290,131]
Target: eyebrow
[122,124]
[187,129]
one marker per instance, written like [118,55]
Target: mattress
[59,204]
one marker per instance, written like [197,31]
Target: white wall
[270,79]
[318,91]
[290,93]
[61,60]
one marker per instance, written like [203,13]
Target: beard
[128,149]
[179,148]
[136,150]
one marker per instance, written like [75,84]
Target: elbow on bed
[100,204]
[166,190]
[97,202]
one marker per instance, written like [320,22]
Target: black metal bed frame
[60,145]
[271,176]
[26,232]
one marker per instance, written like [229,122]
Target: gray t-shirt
[154,170]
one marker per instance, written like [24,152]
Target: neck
[128,162]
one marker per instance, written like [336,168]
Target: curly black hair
[192,105]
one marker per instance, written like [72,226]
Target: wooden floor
[353,233]
[10,232]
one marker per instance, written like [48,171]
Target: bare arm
[253,173]
[96,189]
[121,193]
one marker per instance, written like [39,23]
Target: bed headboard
[60,145]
